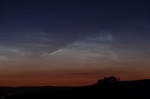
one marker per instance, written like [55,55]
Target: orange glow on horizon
[66,80]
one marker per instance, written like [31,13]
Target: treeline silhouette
[107,87]
[111,79]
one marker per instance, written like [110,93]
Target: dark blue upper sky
[72,14]
[73,19]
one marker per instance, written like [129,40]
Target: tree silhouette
[105,80]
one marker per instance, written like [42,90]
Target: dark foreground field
[119,90]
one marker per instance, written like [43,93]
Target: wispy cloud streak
[87,49]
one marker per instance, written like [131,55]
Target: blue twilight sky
[68,39]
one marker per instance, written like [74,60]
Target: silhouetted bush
[111,79]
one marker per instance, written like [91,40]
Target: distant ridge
[136,89]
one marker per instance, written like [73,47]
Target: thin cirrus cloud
[87,48]
[102,47]
[11,53]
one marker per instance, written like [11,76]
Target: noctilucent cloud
[73,42]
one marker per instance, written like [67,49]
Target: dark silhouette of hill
[139,89]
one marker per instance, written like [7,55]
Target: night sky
[73,42]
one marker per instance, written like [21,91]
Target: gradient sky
[73,42]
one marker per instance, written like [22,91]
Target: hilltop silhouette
[107,87]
